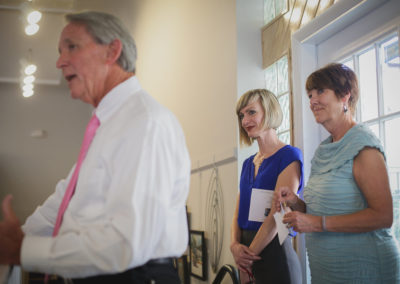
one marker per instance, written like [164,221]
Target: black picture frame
[182,267]
[198,254]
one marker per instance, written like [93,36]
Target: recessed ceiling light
[28,93]
[34,17]
[31,29]
[30,69]
[29,79]
[27,87]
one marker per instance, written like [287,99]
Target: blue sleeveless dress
[371,257]
[279,264]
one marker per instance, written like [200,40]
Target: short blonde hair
[272,111]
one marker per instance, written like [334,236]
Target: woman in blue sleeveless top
[348,208]
[255,245]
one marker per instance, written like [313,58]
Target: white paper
[283,231]
[260,202]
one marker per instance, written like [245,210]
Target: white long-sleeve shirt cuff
[35,253]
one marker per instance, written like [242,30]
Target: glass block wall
[277,81]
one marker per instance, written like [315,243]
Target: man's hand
[11,235]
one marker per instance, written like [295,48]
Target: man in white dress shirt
[127,217]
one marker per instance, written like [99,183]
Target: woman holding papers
[348,208]
[255,245]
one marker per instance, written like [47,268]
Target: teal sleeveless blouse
[371,257]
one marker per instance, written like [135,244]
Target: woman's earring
[345,109]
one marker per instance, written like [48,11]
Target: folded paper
[260,203]
[283,231]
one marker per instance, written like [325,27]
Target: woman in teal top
[348,210]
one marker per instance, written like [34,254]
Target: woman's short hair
[272,111]
[105,28]
[337,77]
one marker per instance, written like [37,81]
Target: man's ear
[114,51]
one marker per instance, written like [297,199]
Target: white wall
[197,58]
[187,61]
[30,167]
[126,10]
[250,74]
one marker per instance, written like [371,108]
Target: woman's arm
[235,230]
[290,178]
[243,256]
[370,174]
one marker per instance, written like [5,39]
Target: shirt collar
[116,97]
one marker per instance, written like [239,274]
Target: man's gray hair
[105,28]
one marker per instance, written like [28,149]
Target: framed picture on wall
[182,266]
[198,255]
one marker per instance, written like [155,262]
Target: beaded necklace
[257,161]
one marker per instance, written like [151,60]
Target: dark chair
[227,268]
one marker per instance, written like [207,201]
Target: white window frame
[381,117]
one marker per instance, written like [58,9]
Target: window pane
[392,143]
[269,11]
[392,151]
[349,63]
[273,9]
[285,137]
[396,214]
[271,78]
[368,85]
[283,83]
[390,74]
[375,129]
[284,101]
[280,7]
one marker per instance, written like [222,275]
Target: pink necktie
[89,134]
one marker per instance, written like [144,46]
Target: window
[277,81]
[273,9]
[378,70]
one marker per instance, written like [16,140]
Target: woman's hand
[243,256]
[303,223]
